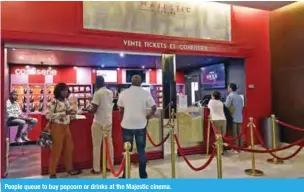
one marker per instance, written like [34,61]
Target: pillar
[168,82]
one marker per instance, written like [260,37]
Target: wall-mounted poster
[204,20]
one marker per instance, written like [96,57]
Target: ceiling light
[75,67]
[102,66]
[21,57]
[14,49]
[142,67]
[150,69]
[121,54]
[118,69]
[50,68]
[27,67]
[93,71]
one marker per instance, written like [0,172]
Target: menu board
[110,76]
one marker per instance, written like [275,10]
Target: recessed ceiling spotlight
[93,71]
[27,67]
[118,69]
[121,54]
[102,66]
[75,67]
[143,67]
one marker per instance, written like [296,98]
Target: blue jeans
[140,139]
[21,123]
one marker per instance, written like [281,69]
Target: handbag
[45,138]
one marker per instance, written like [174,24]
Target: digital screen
[110,76]
[213,77]
[130,73]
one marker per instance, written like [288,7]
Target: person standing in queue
[133,103]
[234,103]
[217,114]
[60,113]
[102,107]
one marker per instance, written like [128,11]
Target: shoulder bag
[45,138]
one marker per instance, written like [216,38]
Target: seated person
[15,118]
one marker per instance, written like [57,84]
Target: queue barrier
[255,134]
[217,150]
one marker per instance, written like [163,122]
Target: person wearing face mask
[60,113]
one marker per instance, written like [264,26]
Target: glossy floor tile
[27,165]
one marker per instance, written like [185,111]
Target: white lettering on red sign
[35,72]
[176,46]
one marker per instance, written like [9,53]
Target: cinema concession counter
[81,134]
[190,126]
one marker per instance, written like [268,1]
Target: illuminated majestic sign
[167,8]
[200,20]
[34,71]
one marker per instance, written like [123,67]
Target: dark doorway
[192,89]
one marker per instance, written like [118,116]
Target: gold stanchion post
[219,150]
[274,141]
[208,135]
[127,147]
[253,171]
[172,146]
[104,153]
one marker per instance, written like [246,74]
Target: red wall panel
[36,79]
[180,79]
[66,75]
[251,29]
[153,75]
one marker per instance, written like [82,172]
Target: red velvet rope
[271,153]
[122,164]
[179,148]
[290,126]
[227,139]
[301,141]
[162,142]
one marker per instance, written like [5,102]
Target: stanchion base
[255,172]
[275,161]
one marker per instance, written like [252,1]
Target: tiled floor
[233,166]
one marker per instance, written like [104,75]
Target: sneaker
[19,140]
[25,138]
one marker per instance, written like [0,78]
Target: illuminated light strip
[75,49]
